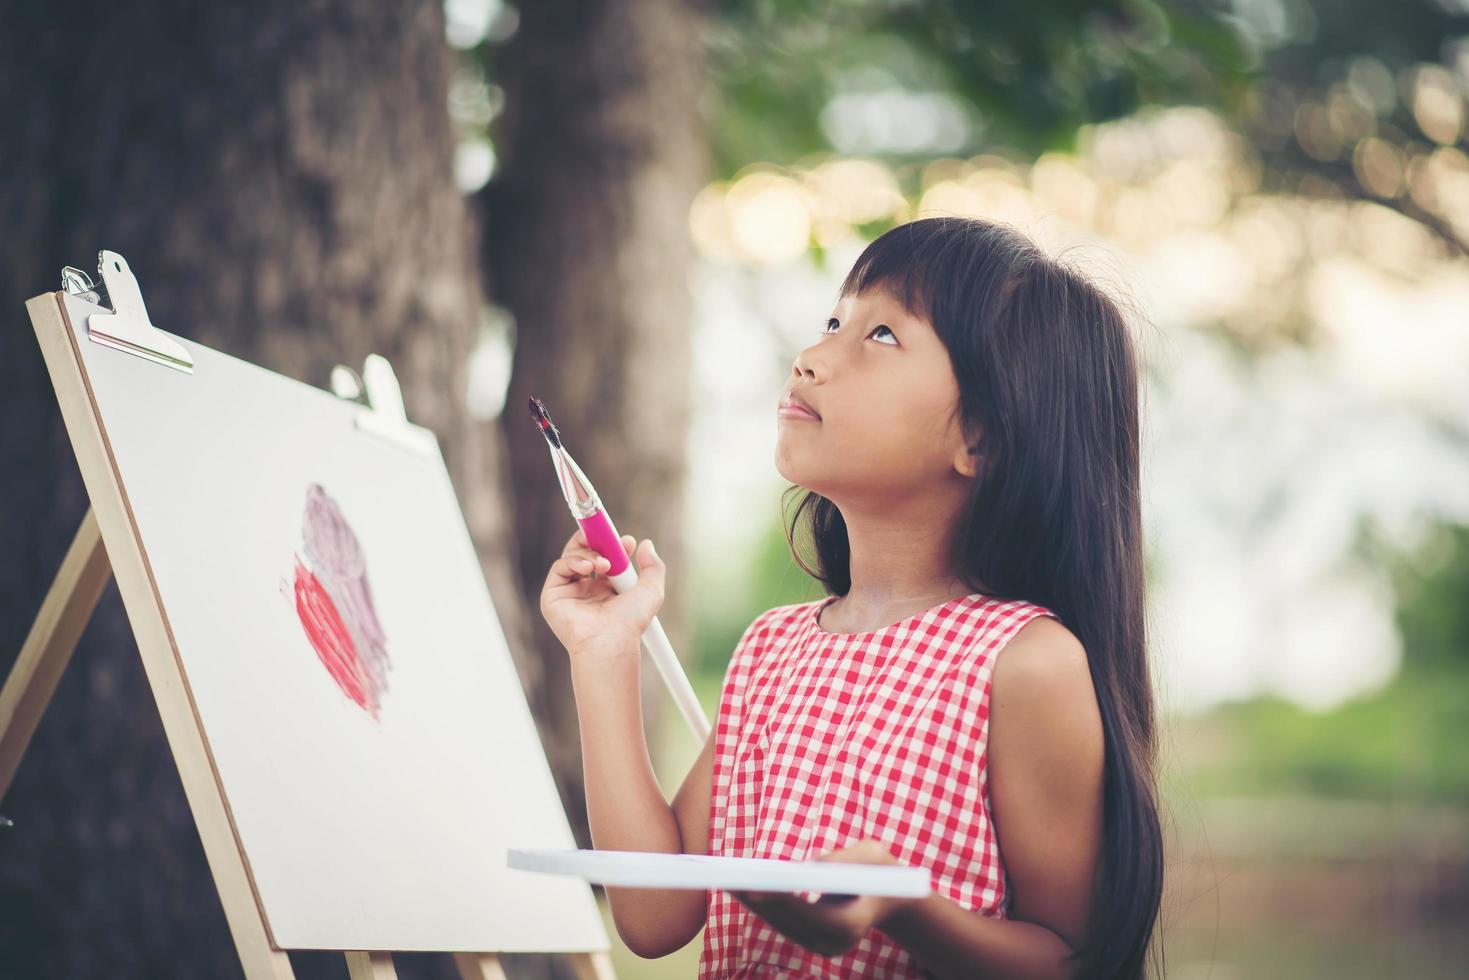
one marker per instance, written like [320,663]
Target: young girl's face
[889,431]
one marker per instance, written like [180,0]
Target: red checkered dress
[823,739]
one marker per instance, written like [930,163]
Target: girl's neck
[899,566]
[858,619]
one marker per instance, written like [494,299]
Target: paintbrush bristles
[542,419]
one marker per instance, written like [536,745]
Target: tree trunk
[602,148]
[279,176]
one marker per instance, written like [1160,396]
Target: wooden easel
[107,543]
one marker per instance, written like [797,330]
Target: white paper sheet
[643,869]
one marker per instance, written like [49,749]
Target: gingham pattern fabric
[823,739]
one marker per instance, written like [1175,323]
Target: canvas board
[344,659]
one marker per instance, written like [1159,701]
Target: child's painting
[362,711]
[334,602]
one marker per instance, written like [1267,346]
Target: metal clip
[127,328]
[75,282]
[383,414]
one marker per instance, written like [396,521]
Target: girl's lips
[793,411]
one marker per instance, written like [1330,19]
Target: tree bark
[279,176]
[602,147]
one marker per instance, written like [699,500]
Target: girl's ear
[966,457]
[966,460]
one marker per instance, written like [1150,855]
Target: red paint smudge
[329,635]
[334,604]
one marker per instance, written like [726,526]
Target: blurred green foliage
[1433,608]
[1029,75]
[773,579]
[1404,741]
[1022,79]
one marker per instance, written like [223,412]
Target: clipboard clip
[127,327]
[383,415]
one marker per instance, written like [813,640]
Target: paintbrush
[586,507]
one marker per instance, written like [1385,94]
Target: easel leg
[48,647]
[479,966]
[486,966]
[367,965]
[593,966]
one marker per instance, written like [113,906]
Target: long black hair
[1048,382]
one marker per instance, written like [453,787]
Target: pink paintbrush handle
[605,540]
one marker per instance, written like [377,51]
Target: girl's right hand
[589,616]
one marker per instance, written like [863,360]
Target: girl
[973,694]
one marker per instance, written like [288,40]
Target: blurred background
[639,211]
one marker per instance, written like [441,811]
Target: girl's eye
[881,326]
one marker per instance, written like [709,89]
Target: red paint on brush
[334,603]
[542,419]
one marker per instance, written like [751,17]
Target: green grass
[1404,742]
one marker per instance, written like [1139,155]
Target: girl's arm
[625,805]
[1045,772]
[601,630]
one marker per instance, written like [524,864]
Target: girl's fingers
[572,567]
[572,554]
[578,545]
[578,559]
[586,564]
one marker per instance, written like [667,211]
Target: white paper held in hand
[645,869]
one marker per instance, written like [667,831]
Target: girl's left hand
[833,924]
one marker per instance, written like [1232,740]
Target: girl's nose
[804,365]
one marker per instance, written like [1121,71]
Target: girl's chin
[789,473]
[801,476]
